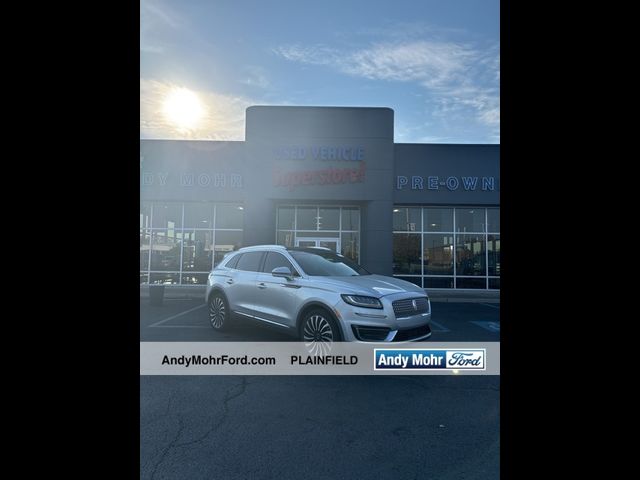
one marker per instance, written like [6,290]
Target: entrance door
[330,243]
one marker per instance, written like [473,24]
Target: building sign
[335,175]
[452,183]
[190,179]
[326,176]
[320,152]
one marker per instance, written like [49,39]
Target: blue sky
[436,63]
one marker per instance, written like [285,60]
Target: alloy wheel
[317,335]
[217,312]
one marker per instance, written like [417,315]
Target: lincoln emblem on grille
[415,305]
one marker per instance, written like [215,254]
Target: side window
[232,263]
[275,260]
[249,261]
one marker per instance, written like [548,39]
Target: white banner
[296,358]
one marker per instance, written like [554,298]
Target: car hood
[372,285]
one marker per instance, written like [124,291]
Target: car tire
[219,313]
[318,330]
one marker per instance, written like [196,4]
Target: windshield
[326,263]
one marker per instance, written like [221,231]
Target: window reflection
[181,236]
[438,219]
[470,255]
[493,220]
[406,253]
[350,218]
[226,242]
[493,249]
[229,216]
[474,253]
[145,215]
[479,283]
[438,254]
[286,218]
[306,218]
[329,219]
[470,220]
[167,215]
[349,245]
[407,219]
[165,278]
[165,250]
[197,251]
[198,215]
[145,239]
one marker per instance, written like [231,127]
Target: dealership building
[325,177]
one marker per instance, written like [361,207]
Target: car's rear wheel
[318,331]
[218,312]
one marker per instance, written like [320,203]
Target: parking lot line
[491,326]
[441,328]
[176,316]
[489,305]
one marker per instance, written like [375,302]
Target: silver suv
[317,295]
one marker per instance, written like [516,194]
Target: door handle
[262,285]
[230,281]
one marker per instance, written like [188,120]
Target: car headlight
[361,301]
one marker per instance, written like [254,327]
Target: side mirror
[283,272]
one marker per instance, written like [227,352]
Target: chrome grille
[405,308]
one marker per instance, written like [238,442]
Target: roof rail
[262,246]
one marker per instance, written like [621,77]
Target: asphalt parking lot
[186,320]
[317,427]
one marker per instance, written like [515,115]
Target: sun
[183,108]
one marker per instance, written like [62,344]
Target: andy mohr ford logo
[420,359]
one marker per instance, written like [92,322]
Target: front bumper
[381,325]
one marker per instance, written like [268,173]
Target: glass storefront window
[415,280]
[186,237]
[145,238]
[198,215]
[438,219]
[194,278]
[329,218]
[165,250]
[470,255]
[493,250]
[438,282]
[493,220]
[318,226]
[438,254]
[229,216]
[286,218]
[460,246]
[167,215]
[406,253]
[145,215]
[470,220]
[350,218]
[350,245]
[406,219]
[165,278]
[226,242]
[197,251]
[286,238]
[478,283]
[306,218]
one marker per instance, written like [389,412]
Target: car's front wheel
[218,312]
[318,331]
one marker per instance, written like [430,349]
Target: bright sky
[435,62]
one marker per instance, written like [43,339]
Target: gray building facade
[328,177]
